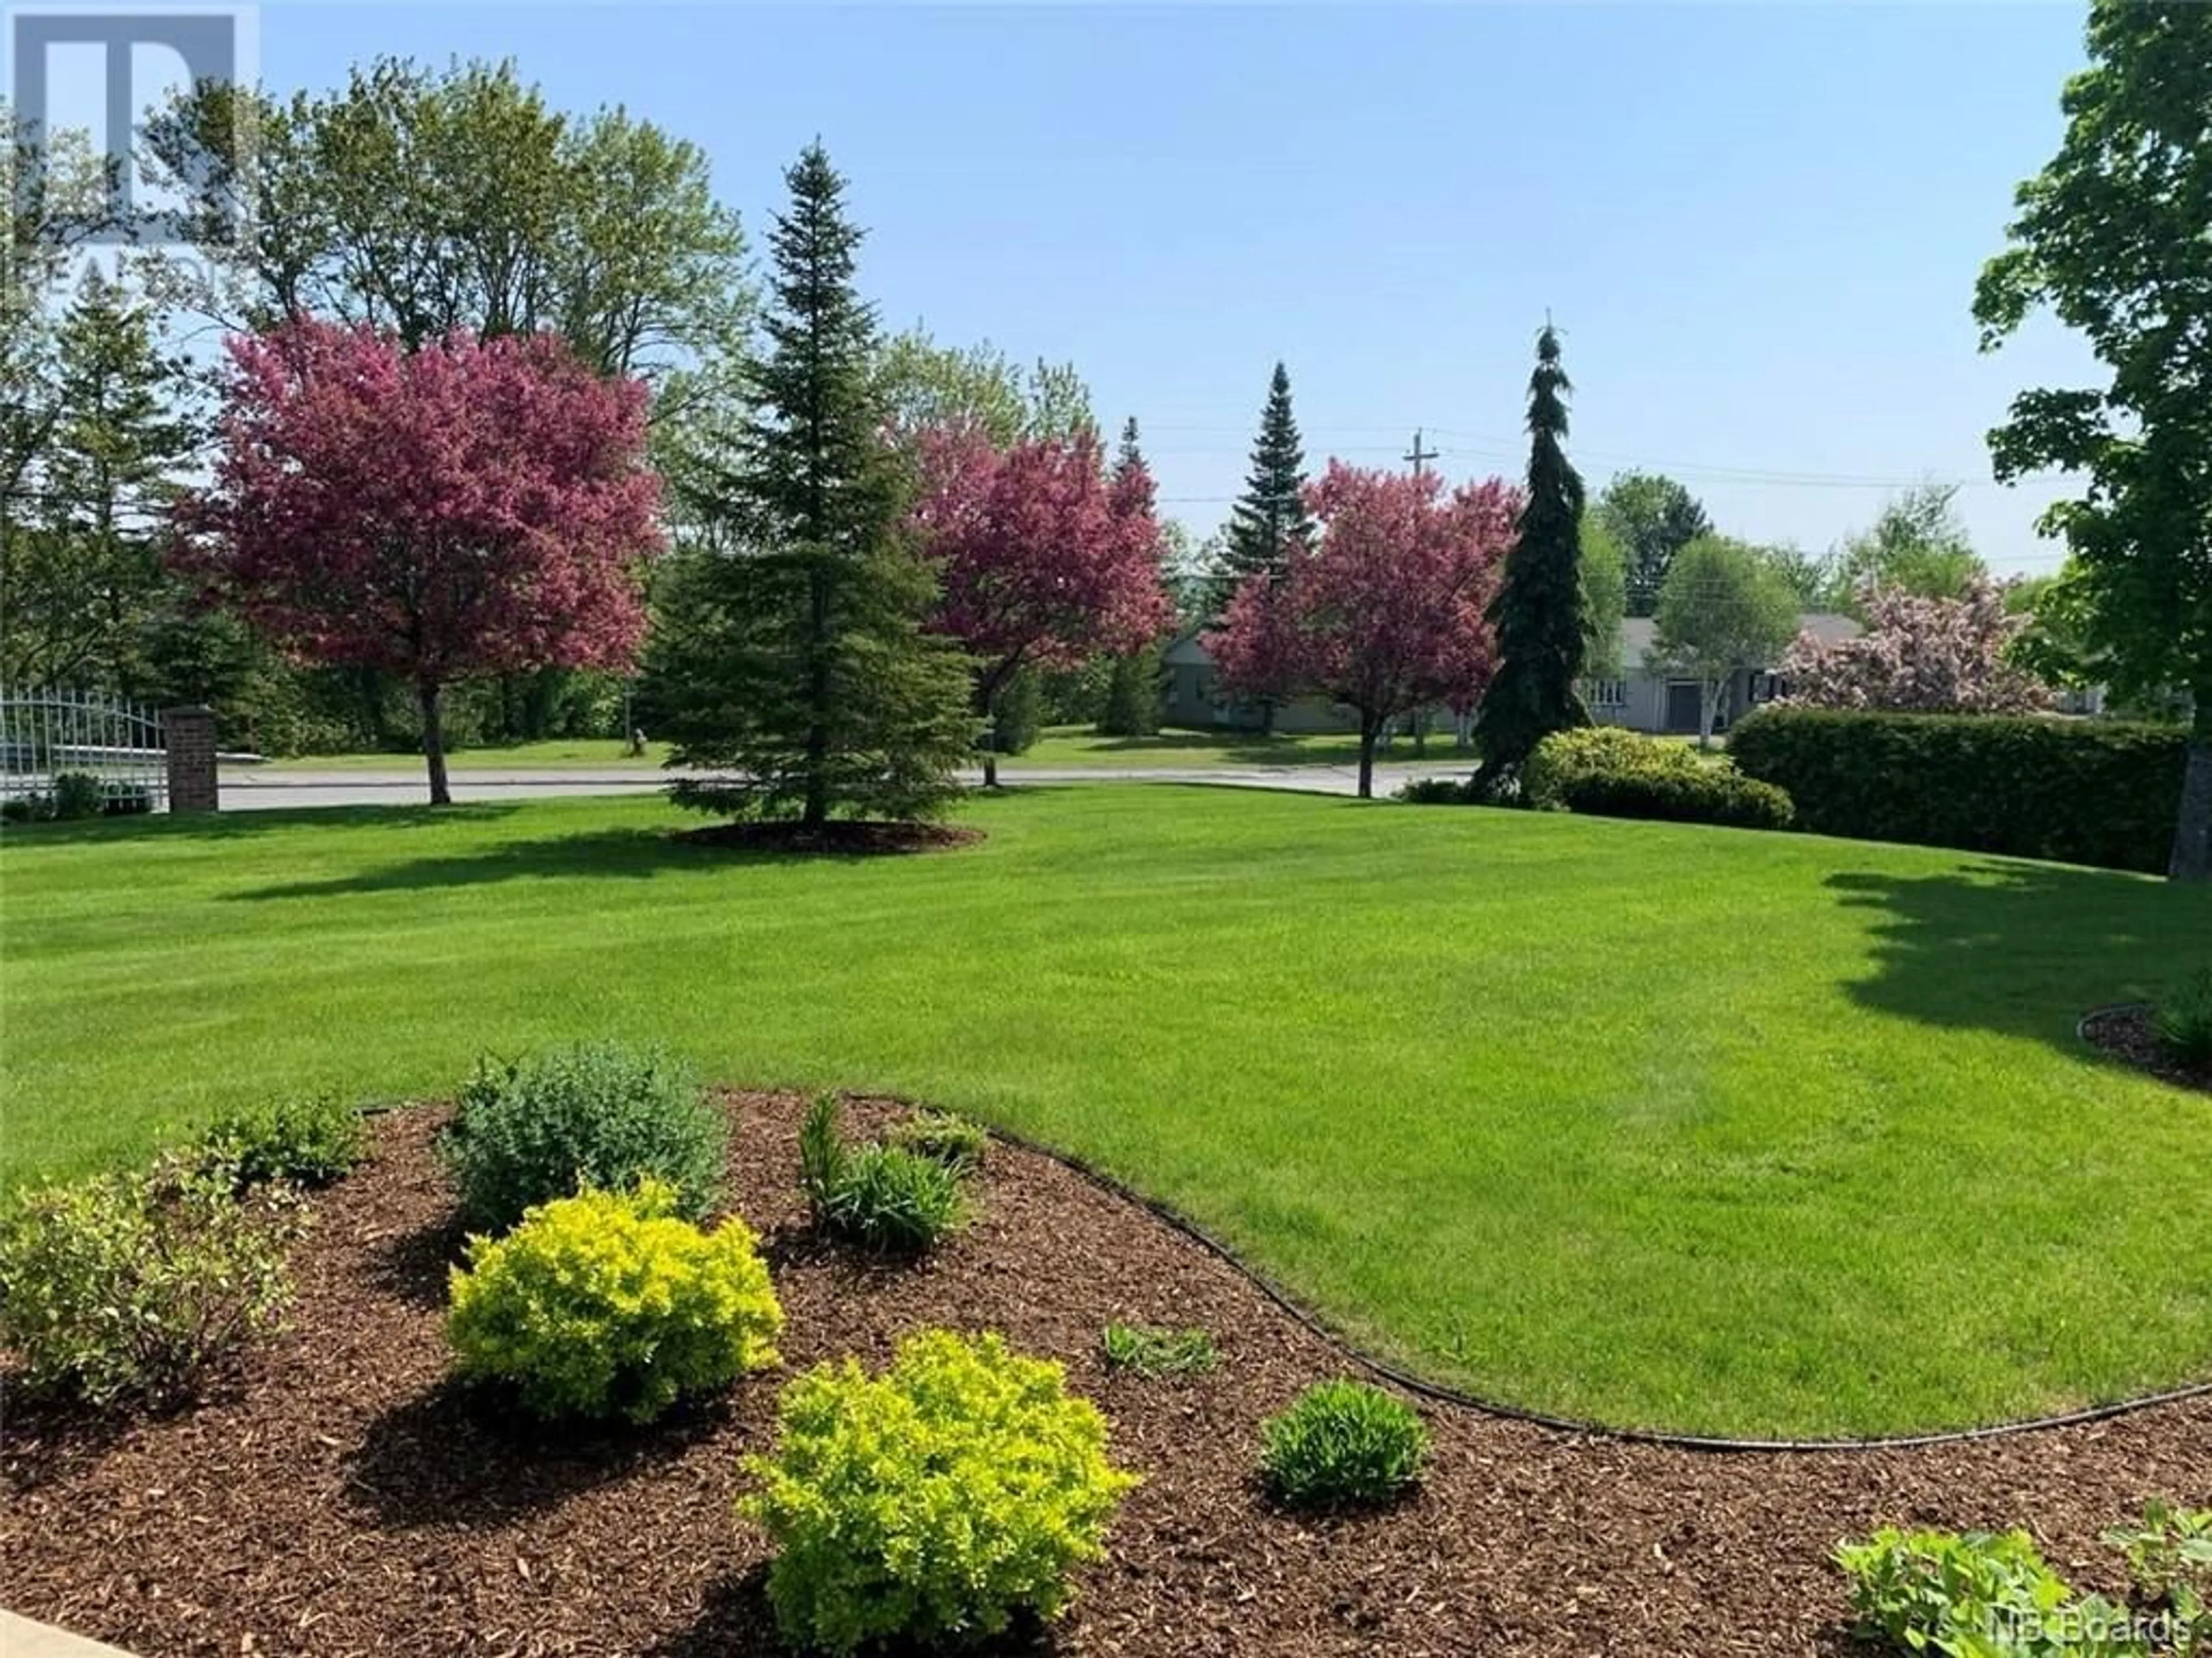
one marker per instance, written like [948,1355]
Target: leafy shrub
[1565,758]
[2081,792]
[609,1303]
[26,808]
[1342,1444]
[884,1198]
[933,1504]
[1152,1351]
[2169,1558]
[1983,1594]
[599,1115]
[2184,1023]
[76,794]
[127,1286]
[307,1140]
[1436,792]
[957,1143]
[1607,772]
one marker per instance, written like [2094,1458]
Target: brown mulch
[2131,1033]
[338,1497]
[840,838]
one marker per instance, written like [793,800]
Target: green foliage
[884,1198]
[1653,518]
[1537,615]
[610,1304]
[1608,771]
[798,664]
[1725,607]
[1917,546]
[1017,713]
[598,1115]
[1605,596]
[1979,1594]
[932,1504]
[1132,698]
[1437,792]
[1271,513]
[76,794]
[2184,1022]
[305,1139]
[958,1144]
[1342,1444]
[128,1286]
[820,1151]
[1153,1352]
[1566,758]
[2077,790]
[2169,1560]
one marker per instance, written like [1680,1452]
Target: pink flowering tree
[1043,559]
[1921,656]
[474,506]
[1384,611]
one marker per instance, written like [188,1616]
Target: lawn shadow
[635,854]
[466,1455]
[241,825]
[735,1621]
[2023,950]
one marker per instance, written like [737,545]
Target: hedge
[2075,790]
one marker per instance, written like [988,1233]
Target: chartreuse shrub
[598,1115]
[1604,771]
[1342,1444]
[610,1304]
[2080,791]
[127,1286]
[884,1198]
[309,1139]
[958,1144]
[2184,1022]
[1983,1595]
[1153,1352]
[934,1504]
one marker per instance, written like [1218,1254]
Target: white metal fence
[81,749]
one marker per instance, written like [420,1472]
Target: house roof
[1639,633]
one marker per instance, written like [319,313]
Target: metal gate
[80,752]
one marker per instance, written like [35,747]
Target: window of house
[1608,693]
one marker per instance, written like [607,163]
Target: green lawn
[1657,1125]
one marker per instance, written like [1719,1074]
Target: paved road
[254,789]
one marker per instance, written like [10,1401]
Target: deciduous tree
[1921,655]
[1916,545]
[473,506]
[1654,517]
[1724,608]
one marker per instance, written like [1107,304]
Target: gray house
[1639,698]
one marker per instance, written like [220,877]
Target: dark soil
[338,1497]
[840,838]
[2131,1034]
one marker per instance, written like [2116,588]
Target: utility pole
[1419,456]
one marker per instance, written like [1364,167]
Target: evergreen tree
[1537,614]
[798,662]
[1132,684]
[1271,513]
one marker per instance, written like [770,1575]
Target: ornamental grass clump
[1341,1445]
[611,1304]
[934,1504]
[886,1199]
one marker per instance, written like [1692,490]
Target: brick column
[190,735]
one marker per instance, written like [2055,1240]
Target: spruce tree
[798,664]
[1132,683]
[1537,614]
[1272,512]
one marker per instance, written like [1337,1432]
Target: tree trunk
[1709,708]
[432,697]
[991,764]
[1266,716]
[1369,730]
[814,817]
[2192,832]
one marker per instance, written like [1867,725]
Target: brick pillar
[190,734]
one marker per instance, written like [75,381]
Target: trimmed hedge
[2077,791]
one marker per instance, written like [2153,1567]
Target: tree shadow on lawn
[627,854]
[2023,950]
[241,825]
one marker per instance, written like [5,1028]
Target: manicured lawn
[1657,1125]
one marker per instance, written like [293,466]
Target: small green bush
[1342,1444]
[2169,1560]
[1606,772]
[599,1115]
[2080,791]
[307,1140]
[609,1303]
[1979,1593]
[1436,792]
[1152,1352]
[128,1286]
[1565,758]
[77,794]
[2184,1023]
[884,1198]
[934,1504]
[959,1145]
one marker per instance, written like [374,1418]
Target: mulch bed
[337,1496]
[2131,1033]
[840,838]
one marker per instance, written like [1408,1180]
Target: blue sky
[1758,225]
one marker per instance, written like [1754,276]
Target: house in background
[1640,698]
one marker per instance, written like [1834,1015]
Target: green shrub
[306,1140]
[1436,792]
[2081,792]
[127,1286]
[884,1198]
[1606,772]
[1980,1594]
[77,794]
[2169,1560]
[2184,1023]
[609,1303]
[1152,1351]
[599,1115]
[1565,758]
[934,1504]
[959,1145]
[1342,1444]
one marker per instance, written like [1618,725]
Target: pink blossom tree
[1042,559]
[1921,655]
[474,506]
[1384,611]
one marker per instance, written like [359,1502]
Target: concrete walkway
[22,1638]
